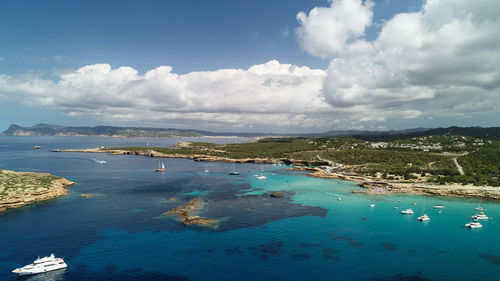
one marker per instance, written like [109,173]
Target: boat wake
[102,162]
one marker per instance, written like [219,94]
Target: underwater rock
[277,194]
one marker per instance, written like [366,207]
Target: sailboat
[161,167]
[479,208]
[261,176]
[423,216]
[233,172]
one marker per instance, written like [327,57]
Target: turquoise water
[306,235]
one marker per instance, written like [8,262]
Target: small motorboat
[424,217]
[438,206]
[407,212]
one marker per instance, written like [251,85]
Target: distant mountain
[55,130]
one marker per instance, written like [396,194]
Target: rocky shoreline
[371,184]
[377,186]
[25,192]
[198,157]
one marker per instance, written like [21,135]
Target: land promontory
[18,189]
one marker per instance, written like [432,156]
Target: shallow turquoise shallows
[308,234]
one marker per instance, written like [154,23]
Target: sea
[122,234]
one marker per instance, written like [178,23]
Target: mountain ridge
[57,130]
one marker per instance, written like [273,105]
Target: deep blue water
[121,234]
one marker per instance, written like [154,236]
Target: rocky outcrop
[18,189]
[277,194]
[187,213]
[90,195]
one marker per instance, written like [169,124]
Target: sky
[281,66]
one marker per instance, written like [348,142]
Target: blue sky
[230,65]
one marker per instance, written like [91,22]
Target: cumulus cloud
[440,60]
[326,30]
[271,92]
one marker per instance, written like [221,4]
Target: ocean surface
[121,234]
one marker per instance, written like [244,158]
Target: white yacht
[407,212]
[424,217]
[480,216]
[372,205]
[41,265]
[479,208]
[438,206]
[473,225]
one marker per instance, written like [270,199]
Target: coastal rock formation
[18,189]
[89,195]
[277,194]
[187,213]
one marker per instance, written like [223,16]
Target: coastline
[371,185]
[25,195]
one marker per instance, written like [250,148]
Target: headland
[18,189]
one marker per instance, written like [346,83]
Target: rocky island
[187,213]
[18,189]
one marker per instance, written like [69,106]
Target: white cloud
[283,94]
[325,31]
[441,60]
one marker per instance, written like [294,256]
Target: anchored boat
[41,265]
[407,212]
[161,168]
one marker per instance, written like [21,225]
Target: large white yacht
[41,265]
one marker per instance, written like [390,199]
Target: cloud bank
[440,61]
[285,94]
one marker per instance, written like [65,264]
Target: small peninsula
[18,189]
